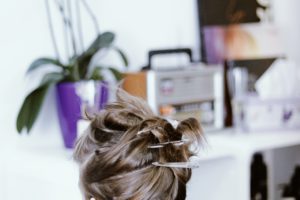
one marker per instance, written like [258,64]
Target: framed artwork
[242,41]
[237,29]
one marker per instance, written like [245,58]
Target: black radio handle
[152,53]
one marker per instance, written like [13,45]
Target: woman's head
[118,152]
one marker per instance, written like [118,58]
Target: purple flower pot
[70,101]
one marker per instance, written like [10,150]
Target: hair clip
[191,165]
[160,145]
[176,143]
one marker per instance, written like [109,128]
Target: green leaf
[83,63]
[79,72]
[43,61]
[103,40]
[51,78]
[31,108]
[96,74]
[123,56]
[117,74]
[33,102]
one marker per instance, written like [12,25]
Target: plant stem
[73,38]
[66,35]
[80,35]
[68,24]
[76,72]
[92,15]
[52,30]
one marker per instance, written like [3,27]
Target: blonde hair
[116,158]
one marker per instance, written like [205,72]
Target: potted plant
[75,78]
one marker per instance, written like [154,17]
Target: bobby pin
[160,145]
[176,143]
[190,165]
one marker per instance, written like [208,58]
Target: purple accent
[214,44]
[102,99]
[287,114]
[69,108]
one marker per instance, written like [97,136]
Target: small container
[252,113]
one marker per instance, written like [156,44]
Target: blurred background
[232,64]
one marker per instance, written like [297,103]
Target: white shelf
[35,162]
[230,143]
[254,141]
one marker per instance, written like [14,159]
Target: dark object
[152,53]
[293,188]
[228,118]
[287,192]
[225,12]
[258,178]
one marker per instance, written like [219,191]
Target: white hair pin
[160,145]
[175,142]
[190,165]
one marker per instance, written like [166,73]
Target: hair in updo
[115,154]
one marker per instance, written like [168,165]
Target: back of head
[117,153]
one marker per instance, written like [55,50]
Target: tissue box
[254,113]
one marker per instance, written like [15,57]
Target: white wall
[143,25]
[287,18]
[23,37]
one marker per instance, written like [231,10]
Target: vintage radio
[195,90]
